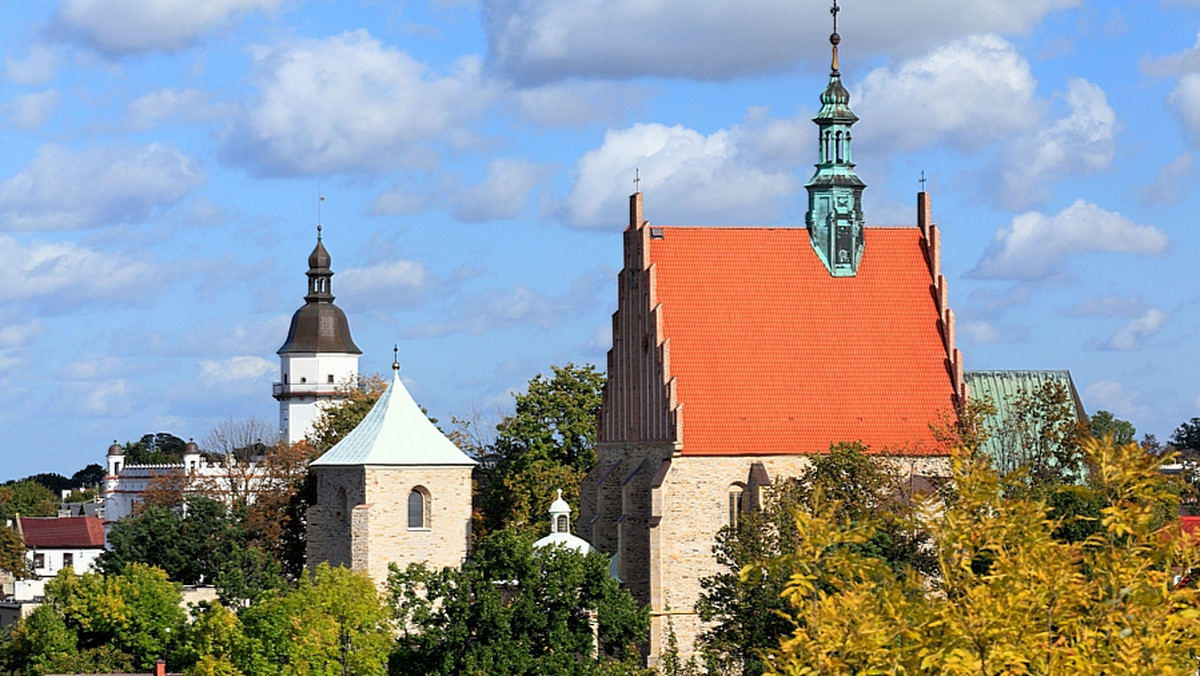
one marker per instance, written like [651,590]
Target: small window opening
[561,526]
[656,233]
[736,494]
[68,560]
[418,509]
[330,381]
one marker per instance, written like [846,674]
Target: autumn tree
[1007,597]
[547,443]
[744,610]
[1040,441]
[515,610]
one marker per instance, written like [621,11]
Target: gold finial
[834,38]
[396,358]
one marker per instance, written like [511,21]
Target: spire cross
[395,357]
[320,198]
[834,11]
[637,179]
[923,179]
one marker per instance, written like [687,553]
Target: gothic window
[418,509]
[737,493]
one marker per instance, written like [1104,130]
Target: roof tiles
[773,355]
[69,532]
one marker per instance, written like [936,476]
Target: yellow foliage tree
[1008,598]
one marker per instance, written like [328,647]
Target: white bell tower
[319,357]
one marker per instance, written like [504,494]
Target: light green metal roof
[1003,387]
[394,432]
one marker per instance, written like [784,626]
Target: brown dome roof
[319,327]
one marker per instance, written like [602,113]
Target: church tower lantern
[835,217]
[319,357]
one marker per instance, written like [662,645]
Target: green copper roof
[1004,387]
[394,432]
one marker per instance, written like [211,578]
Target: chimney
[160,668]
[635,210]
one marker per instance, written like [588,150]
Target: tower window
[561,525]
[418,509]
[303,379]
[285,379]
[838,145]
[330,381]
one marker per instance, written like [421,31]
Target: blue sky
[161,161]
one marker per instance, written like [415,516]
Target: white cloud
[31,111]
[20,335]
[235,370]
[981,332]
[67,274]
[1035,245]
[969,92]
[100,399]
[1132,335]
[390,283]
[579,103]
[348,103]
[189,105]
[1185,101]
[119,27]
[502,193]
[62,189]
[1081,143]
[402,198]
[1109,395]
[96,367]
[545,40]
[702,179]
[1110,305]
[1172,183]
[40,65]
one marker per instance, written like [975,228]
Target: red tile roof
[62,533]
[773,355]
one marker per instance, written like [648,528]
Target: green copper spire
[835,218]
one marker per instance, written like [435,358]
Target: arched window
[737,494]
[418,508]
[838,146]
[561,525]
[825,154]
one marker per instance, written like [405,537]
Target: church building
[738,352]
[394,489]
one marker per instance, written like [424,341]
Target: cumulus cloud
[1185,102]
[1081,143]
[31,111]
[389,283]
[1131,336]
[39,65]
[968,92]
[188,105]
[97,367]
[348,103]
[1035,245]
[1172,183]
[980,332]
[1110,305]
[545,40]
[520,307]
[579,103]
[502,193]
[118,27]
[703,179]
[104,399]
[20,335]
[64,189]
[1109,395]
[66,274]
[234,370]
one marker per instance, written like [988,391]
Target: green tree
[155,449]
[12,554]
[547,443]
[1041,440]
[743,604]
[336,421]
[27,498]
[515,610]
[332,624]
[89,477]
[1104,423]
[1187,435]
[1007,596]
[94,623]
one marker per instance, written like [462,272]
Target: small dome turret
[116,449]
